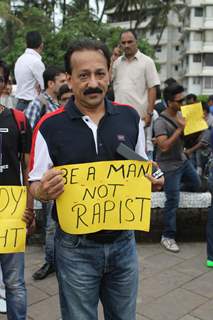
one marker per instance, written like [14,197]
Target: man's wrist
[179,130]
[150,113]
[39,196]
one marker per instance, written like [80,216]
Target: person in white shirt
[135,77]
[29,70]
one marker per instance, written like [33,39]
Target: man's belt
[103,236]
[24,101]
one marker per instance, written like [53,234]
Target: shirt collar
[33,52]
[136,56]
[75,113]
[50,100]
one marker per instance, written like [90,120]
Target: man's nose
[93,82]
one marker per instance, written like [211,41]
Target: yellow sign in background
[194,118]
[109,195]
[12,228]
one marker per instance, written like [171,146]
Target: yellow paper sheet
[12,228]
[194,118]
[109,195]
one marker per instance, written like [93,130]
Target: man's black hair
[63,89]
[50,73]
[6,70]
[210,98]
[131,31]
[170,92]
[85,44]
[33,39]
[169,81]
[205,107]
[191,97]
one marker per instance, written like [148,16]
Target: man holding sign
[88,129]
[13,206]
[169,128]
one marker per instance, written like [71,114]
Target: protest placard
[193,113]
[12,228]
[109,195]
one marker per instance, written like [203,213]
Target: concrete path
[172,286]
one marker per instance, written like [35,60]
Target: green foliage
[145,47]
[202,98]
[83,24]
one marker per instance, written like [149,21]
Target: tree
[160,12]
[8,24]
[30,19]
[17,20]
[136,11]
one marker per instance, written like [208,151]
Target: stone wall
[191,217]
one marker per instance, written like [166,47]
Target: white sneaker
[169,244]
[3,306]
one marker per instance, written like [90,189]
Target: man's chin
[90,103]
[95,99]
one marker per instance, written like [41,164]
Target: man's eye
[101,74]
[83,76]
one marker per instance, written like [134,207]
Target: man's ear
[50,84]
[68,76]
[69,80]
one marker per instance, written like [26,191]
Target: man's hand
[49,187]
[38,88]
[147,120]
[157,184]
[181,121]
[28,216]
[188,152]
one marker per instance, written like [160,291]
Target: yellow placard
[12,228]
[109,195]
[193,113]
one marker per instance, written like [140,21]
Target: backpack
[21,122]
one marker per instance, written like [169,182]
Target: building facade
[197,48]
[185,50]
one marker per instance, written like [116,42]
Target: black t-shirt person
[10,147]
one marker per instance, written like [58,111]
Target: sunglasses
[181,101]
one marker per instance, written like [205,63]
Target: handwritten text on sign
[12,228]
[110,195]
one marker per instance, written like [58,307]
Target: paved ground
[172,286]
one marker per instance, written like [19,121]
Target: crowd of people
[79,114]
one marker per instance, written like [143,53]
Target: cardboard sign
[109,195]
[194,118]
[12,228]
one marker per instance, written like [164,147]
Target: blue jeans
[88,271]
[49,234]
[22,105]
[209,227]
[172,191]
[13,276]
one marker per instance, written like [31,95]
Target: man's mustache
[92,90]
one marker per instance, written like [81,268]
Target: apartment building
[185,51]
[197,47]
